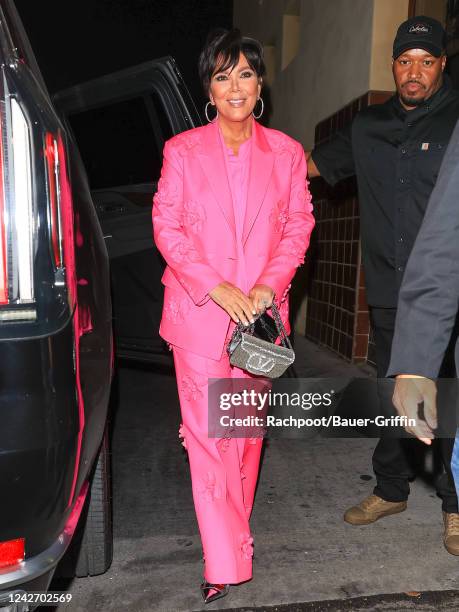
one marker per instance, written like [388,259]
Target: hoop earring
[261,111]
[207,114]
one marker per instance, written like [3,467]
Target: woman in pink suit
[232,218]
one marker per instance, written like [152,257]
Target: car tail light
[12,552]
[21,205]
[16,216]
[54,195]
[36,212]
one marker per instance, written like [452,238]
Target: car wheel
[96,550]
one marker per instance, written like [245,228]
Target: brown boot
[451,533]
[373,508]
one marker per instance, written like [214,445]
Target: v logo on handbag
[261,363]
[258,356]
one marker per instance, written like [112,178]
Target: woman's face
[235,91]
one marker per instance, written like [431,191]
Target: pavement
[306,557]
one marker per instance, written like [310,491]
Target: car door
[120,123]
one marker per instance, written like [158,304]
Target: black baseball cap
[420,33]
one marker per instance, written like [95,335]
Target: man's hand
[262,297]
[239,307]
[409,392]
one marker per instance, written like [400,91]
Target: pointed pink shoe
[212,592]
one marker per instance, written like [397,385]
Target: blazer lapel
[214,167]
[262,161]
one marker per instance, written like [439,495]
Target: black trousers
[392,457]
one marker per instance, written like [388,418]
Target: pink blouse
[238,171]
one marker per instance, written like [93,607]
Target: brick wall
[337,312]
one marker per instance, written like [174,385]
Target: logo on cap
[419,28]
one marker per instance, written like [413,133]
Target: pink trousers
[224,472]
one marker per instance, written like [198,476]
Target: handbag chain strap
[280,327]
[285,341]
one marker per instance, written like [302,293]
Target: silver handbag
[259,356]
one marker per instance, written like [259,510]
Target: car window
[121,143]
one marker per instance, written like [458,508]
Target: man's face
[418,75]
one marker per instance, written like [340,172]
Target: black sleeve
[335,159]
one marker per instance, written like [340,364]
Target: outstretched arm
[313,170]
[429,295]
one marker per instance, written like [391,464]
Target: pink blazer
[194,229]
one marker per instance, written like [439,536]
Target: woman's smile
[237,102]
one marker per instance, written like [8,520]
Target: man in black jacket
[395,150]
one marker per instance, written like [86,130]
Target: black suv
[56,348]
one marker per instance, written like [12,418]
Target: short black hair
[222,50]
